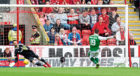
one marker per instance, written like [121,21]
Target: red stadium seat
[111,41]
[85,35]
[103,42]
[67,32]
[79,32]
[85,41]
[86,32]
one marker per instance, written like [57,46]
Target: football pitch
[90,71]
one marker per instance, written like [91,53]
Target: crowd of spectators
[72,1]
[73,26]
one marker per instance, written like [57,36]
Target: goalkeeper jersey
[94,42]
[20,47]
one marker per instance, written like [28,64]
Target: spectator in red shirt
[102,27]
[105,16]
[47,9]
[58,40]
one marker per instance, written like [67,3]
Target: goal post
[127,46]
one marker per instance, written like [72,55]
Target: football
[26,61]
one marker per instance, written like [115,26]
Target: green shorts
[93,53]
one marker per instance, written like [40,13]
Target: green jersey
[94,42]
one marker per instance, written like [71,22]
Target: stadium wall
[110,56]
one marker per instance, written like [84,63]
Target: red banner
[5,63]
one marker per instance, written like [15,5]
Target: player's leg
[31,57]
[32,60]
[39,58]
[96,55]
[91,55]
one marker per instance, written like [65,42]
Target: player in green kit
[94,41]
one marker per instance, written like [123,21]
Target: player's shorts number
[93,42]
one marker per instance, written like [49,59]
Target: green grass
[91,71]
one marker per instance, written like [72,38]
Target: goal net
[49,31]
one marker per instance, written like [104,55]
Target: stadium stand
[74,16]
[132,14]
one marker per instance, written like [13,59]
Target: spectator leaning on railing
[74,37]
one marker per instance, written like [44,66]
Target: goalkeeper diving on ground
[28,54]
[94,41]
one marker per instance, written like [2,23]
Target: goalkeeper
[28,54]
[94,41]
